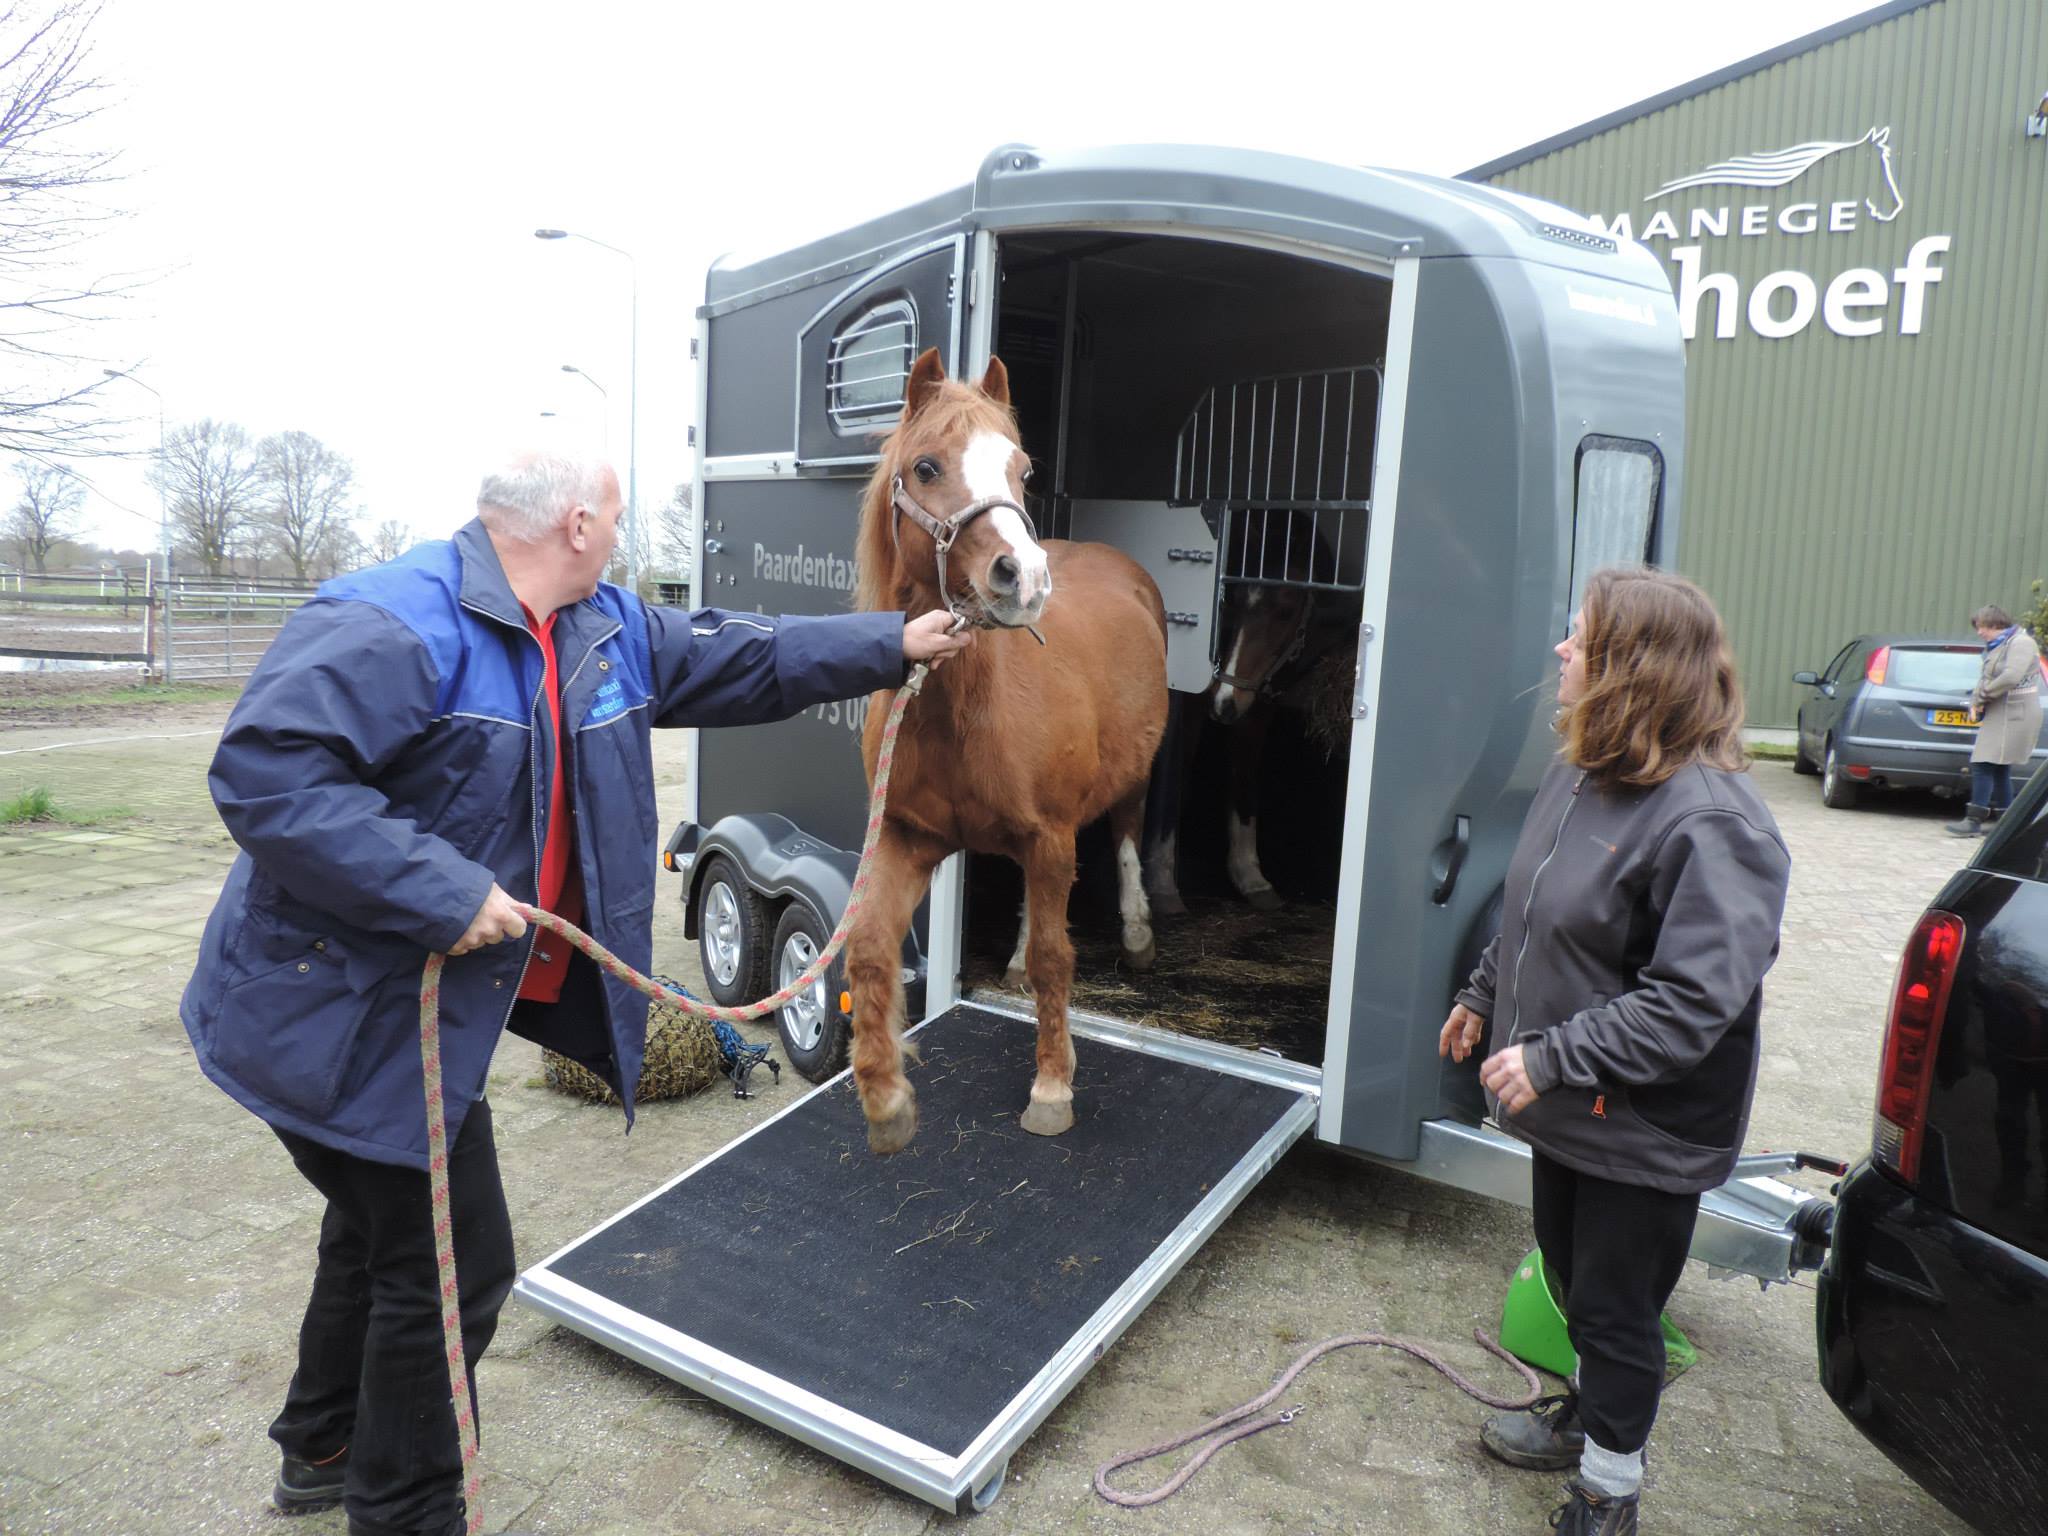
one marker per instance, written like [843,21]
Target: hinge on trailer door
[693,349]
[1358,704]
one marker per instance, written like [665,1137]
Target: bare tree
[672,530]
[47,392]
[341,550]
[46,512]
[212,482]
[306,491]
[390,539]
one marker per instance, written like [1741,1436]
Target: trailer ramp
[918,1316]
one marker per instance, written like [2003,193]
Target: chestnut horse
[1049,721]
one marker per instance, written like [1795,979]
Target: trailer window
[867,366]
[1615,514]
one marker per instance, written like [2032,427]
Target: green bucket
[1532,1326]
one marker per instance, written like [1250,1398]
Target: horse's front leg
[1048,880]
[1247,755]
[896,880]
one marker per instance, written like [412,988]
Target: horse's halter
[1273,668]
[945,532]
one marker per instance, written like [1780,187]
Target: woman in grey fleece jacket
[1642,910]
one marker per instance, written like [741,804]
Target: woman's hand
[1461,1033]
[1507,1079]
[931,638]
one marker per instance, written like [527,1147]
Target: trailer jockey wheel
[731,924]
[815,1030]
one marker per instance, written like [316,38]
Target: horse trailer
[1432,407]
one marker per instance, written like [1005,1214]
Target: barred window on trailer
[867,366]
[1614,516]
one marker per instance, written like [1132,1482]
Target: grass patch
[37,806]
[1773,751]
[140,695]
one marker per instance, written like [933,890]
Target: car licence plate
[1958,717]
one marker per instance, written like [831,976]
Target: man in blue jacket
[427,741]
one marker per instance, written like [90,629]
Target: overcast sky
[340,198]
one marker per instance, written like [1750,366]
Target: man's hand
[1507,1079]
[1461,1033]
[931,638]
[495,921]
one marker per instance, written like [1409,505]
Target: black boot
[1972,824]
[1586,1513]
[306,1486]
[1545,1436]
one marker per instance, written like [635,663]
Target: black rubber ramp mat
[925,1290]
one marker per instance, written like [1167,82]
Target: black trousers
[372,1376]
[1616,1250]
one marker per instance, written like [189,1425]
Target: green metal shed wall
[1844,483]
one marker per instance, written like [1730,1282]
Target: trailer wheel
[815,1034]
[978,1500]
[731,923]
[1837,789]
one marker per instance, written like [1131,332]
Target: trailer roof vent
[1579,237]
[868,365]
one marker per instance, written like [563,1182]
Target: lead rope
[430,1061]
[1232,1426]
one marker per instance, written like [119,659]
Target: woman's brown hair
[1661,688]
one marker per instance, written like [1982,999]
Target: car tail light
[1912,1036]
[1880,659]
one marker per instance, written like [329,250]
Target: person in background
[1624,993]
[426,742]
[2007,704]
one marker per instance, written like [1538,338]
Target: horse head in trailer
[1049,722]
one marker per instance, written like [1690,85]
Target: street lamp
[605,415]
[632,400]
[162,504]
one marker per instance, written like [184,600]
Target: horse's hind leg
[1017,976]
[896,882]
[1126,826]
[1048,879]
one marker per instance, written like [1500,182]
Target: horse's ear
[995,383]
[926,375]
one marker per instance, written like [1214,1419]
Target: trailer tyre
[815,1033]
[732,924]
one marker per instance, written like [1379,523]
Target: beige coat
[2008,695]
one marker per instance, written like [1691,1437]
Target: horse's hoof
[892,1133]
[1016,980]
[1046,1117]
[1266,900]
[1142,959]
[1168,904]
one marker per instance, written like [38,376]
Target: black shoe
[1972,824]
[1545,1436]
[306,1486]
[1586,1513]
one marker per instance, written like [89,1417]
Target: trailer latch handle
[1449,858]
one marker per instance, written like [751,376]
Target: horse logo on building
[1782,167]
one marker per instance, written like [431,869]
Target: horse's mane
[954,411]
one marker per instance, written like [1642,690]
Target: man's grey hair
[531,496]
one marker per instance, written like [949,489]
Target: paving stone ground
[155,1248]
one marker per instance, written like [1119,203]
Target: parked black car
[1933,1297]
[1891,711]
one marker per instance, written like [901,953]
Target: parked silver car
[1892,712]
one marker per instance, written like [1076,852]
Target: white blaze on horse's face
[1017,580]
